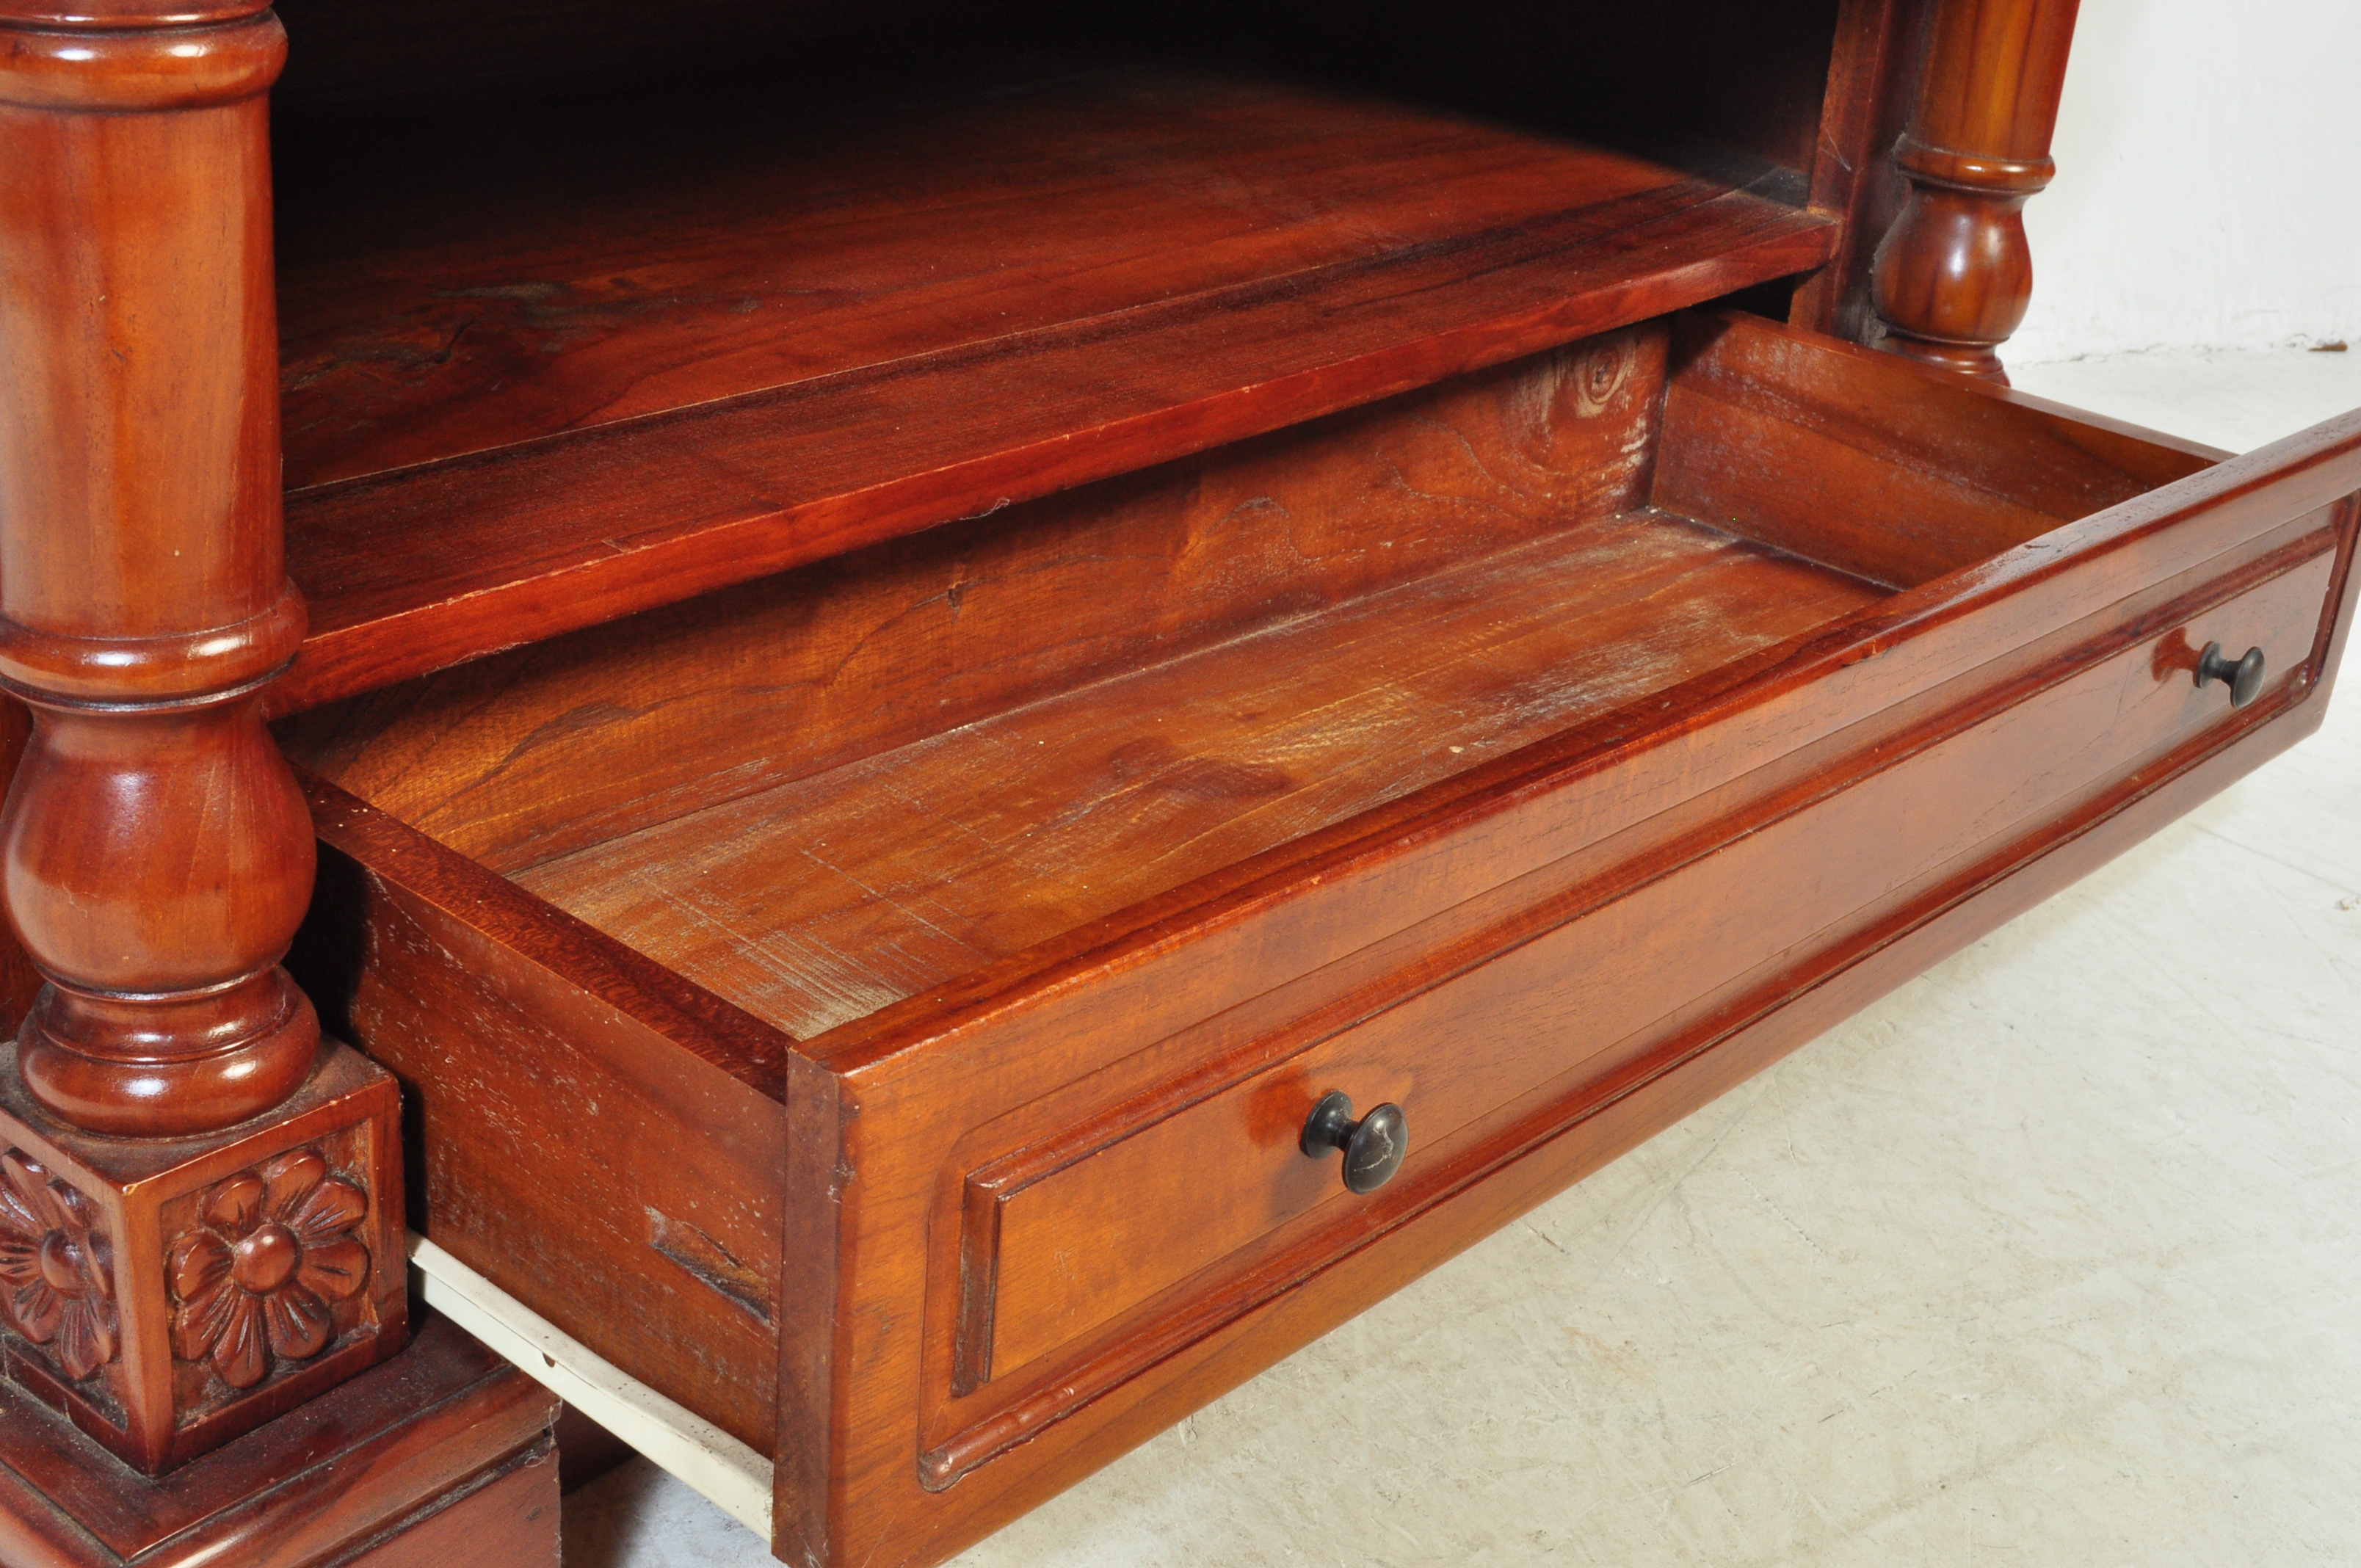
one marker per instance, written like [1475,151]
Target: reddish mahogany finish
[1953,274]
[214,1204]
[156,854]
[441,1458]
[1060,861]
[546,377]
[1232,591]
[226,1277]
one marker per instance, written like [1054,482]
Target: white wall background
[2209,181]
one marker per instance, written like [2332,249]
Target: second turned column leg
[1952,276]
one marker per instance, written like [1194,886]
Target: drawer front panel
[1062,1239]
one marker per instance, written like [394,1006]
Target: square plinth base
[171,1294]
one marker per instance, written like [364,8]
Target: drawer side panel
[616,1182]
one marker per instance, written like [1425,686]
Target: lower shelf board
[719,1468]
[543,369]
[439,1455]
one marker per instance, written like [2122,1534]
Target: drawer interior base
[816,901]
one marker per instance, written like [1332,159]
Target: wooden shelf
[542,374]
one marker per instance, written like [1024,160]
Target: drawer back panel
[528,755]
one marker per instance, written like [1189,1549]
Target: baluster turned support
[157,850]
[1953,274]
[200,1208]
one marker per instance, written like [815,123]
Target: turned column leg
[199,1214]
[1952,276]
[156,849]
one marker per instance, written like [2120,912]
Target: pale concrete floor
[2048,1258]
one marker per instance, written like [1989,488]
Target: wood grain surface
[524,756]
[817,902]
[1953,275]
[933,655]
[1066,1235]
[511,1520]
[1050,1418]
[154,848]
[1792,770]
[1868,90]
[510,414]
[1525,1164]
[174,1353]
[1820,449]
[353,1470]
[1103,1025]
[600,1137]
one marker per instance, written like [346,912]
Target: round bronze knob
[1373,1147]
[2243,676]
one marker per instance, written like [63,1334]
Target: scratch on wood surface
[710,1263]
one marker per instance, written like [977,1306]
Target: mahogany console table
[965,716]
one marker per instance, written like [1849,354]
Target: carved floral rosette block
[171,1294]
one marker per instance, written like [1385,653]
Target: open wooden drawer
[880,1006]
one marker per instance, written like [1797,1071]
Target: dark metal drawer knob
[2243,676]
[1373,1147]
